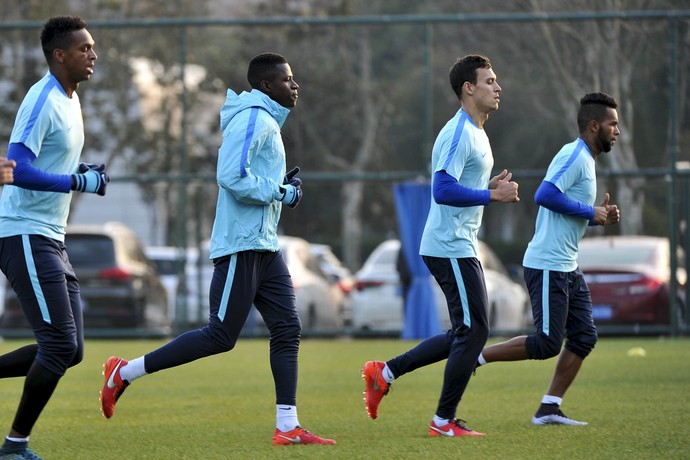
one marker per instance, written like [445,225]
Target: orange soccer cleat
[298,436]
[375,387]
[456,428]
[113,387]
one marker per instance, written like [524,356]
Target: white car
[319,302]
[377,303]
[338,275]
[195,283]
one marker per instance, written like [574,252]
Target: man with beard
[561,302]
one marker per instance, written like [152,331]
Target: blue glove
[291,179]
[91,181]
[83,167]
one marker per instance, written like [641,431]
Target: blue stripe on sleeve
[571,159]
[456,139]
[33,276]
[40,102]
[248,140]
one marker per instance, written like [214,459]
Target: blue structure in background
[412,201]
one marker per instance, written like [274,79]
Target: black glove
[291,188]
[83,167]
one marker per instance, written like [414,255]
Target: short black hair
[593,106]
[263,67]
[465,69]
[57,33]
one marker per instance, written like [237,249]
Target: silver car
[377,301]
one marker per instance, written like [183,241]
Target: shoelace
[460,423]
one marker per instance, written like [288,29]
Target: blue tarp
[412,201]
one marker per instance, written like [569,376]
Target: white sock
[387,374]
[481,361]
[286,417]
[133,370]
[438,421]
[548,399]
[17,439]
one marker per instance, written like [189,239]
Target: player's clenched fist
[504,190]
[6,171]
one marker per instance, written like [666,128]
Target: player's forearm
[550,197]
[447,190]
[27,176]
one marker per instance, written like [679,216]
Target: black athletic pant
[240,280]
[462,282]
[41,275]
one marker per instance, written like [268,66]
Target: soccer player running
[248,266]
[46,143]
[561,302]
[6,171]
[461,186]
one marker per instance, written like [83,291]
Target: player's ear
[593,126]
[58,55]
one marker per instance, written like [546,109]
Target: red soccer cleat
[298,436]
[113,387]
[375,387]
[456,428]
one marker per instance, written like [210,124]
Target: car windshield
[618,255]
[386,257]
[165,266]
[92,251]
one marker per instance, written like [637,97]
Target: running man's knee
[78,355]
[543,346]
[286,330]
[222,340]
[583,344]
[58,356]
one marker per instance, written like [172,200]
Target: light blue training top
[557,236]
[251,168]
[49,124]
[462,150]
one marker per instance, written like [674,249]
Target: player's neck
[478,117]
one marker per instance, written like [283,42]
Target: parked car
[194,285]
[377,303]
[629,278]
[339,275]
[119,285]
[318,300]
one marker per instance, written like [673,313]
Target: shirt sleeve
[550,197]
[235,158]
[447,190]
[27,176]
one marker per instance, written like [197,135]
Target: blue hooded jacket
[251,168]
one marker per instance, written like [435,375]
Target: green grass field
[223,407]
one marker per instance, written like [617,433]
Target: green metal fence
[180,32]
